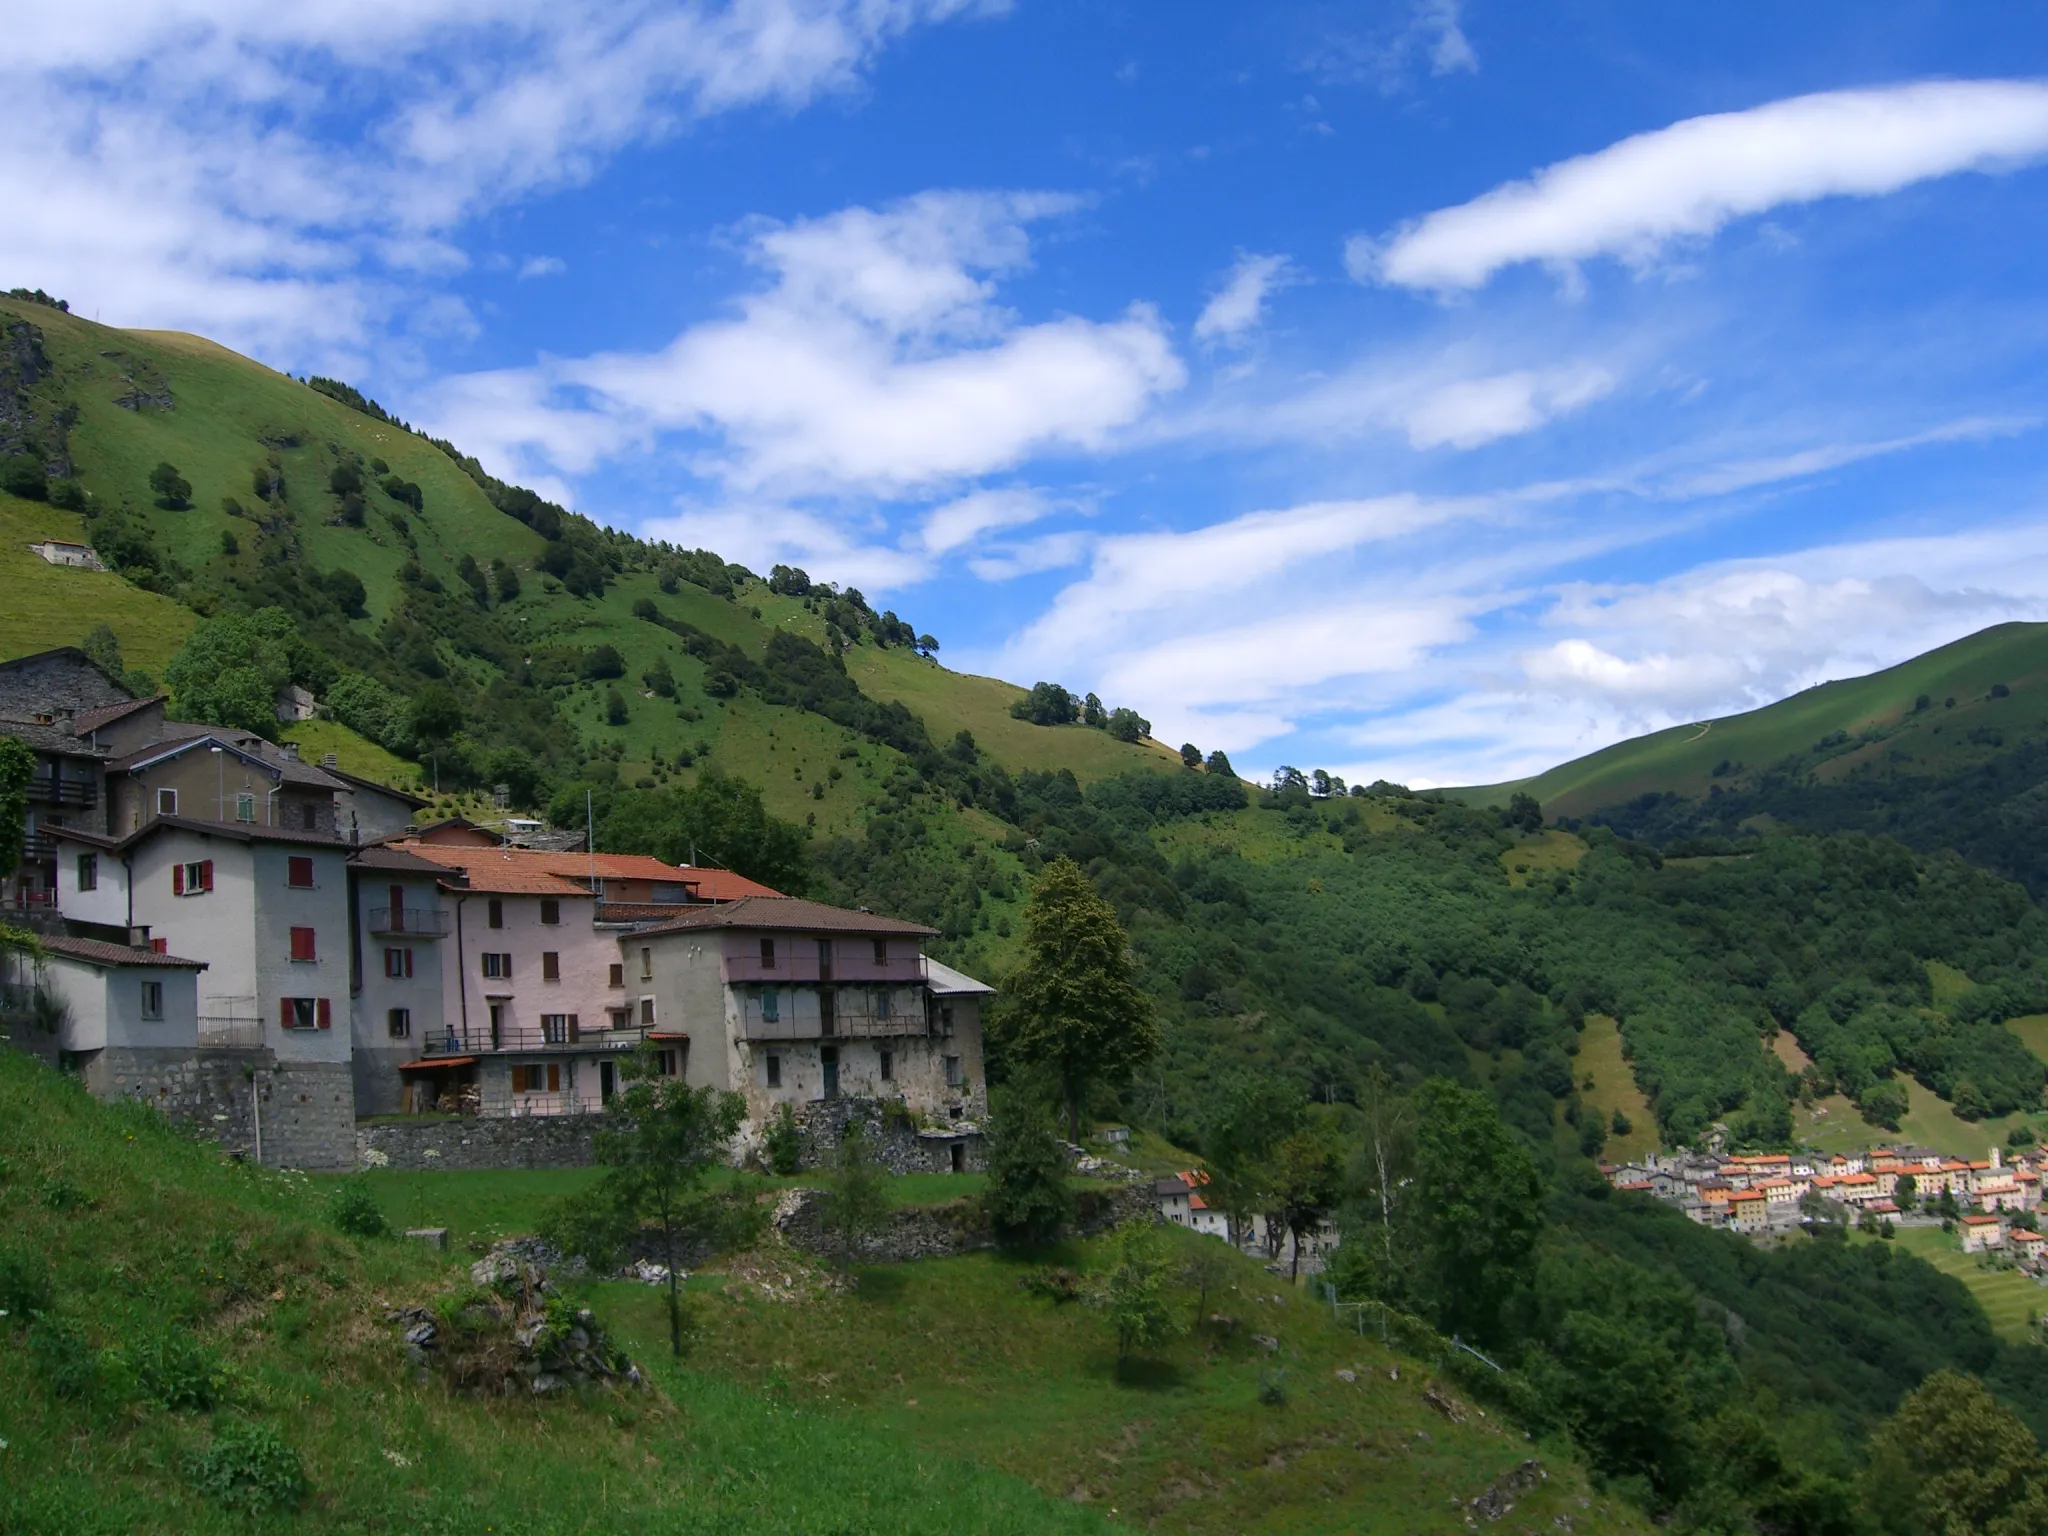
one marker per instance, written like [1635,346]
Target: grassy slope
[1682,759]
[955,1360]
[49,605]
[147,1232]
[227,417]
[2008,1297]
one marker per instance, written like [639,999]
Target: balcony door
[828,1005]
[824,959]
[828,1058]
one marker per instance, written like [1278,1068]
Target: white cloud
[876,360]
[1450,52]
[1049,552]
[1685,182]
[279,175]
[1240,303]
[762,536]
[1475,411]
[966,519]
[542,266]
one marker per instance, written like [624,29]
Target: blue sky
[1423,390]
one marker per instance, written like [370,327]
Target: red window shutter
[177,879]
[160,946]
[326,1013]
[284,1013]
[303,944]
[554,1078]
[408,965]
[206,874]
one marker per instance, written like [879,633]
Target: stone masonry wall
[899,1145]
[308,1108]
[470,1142]
[930,1232]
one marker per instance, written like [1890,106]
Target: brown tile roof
[394,860]
[233,831]
[99,952]
[786,914]
[708,884]
[357,781]
[722,884]
[181,736]
[499,871]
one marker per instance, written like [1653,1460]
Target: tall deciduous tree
[1027,1199]
[1076,1011]
[1475,1205]
[1953,1459]
[17,766]
[1253,1114]
[663,1138]
[1307,1181]
[718,820]
[1134,1295]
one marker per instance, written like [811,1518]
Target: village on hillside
[1991,1203]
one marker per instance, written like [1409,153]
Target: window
[497,967]
[152,1000]
[305,1013]
[618,976]
[647,1012]
[538,1078]
[303,946]
[398,1023]
[888,1067]
[768,954]
[771,1006]
[194,879]
[618,1018]
[550,965]
[496,912]
[398,964]
[881,951]
[167,802]
[647,965]
[945,1018]
[550,911]
[88,871]
[882,1006]
[554,1028]
[298,872]
[309,818]
[669,1063]
[774,1070]
[245,807]
[952,1071]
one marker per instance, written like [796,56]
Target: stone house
[793,1002]
[205,773]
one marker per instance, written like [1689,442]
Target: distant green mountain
[1948,750]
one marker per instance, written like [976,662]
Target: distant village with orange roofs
[1992,1203]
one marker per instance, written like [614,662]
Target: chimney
[1994,1158]
[329,760]
[290,750]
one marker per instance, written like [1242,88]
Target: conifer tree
[1075,1010]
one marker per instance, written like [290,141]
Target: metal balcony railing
[527,1038]
[229,1033]
[38,845]
[409,922]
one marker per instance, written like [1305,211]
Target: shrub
[354,1210]
[23,475]
[63,1358]
[782,1144]
[249,1468]
[603,661]
[24,1284]
[178,1373]
[1053,1283]
[173,490]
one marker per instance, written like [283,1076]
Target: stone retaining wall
[900,1145]
[307,1108]
[936,1231]
[469,1142]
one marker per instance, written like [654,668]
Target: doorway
[607,1081]
[959,1157]
[828,1058]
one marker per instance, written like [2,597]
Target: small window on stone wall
[152,1000]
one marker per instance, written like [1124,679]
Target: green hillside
[1858,725]
[156,1301]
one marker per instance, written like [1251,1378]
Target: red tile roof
[86,721]
[707,884]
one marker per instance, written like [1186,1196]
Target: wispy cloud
[1240,304]
[1634,198]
